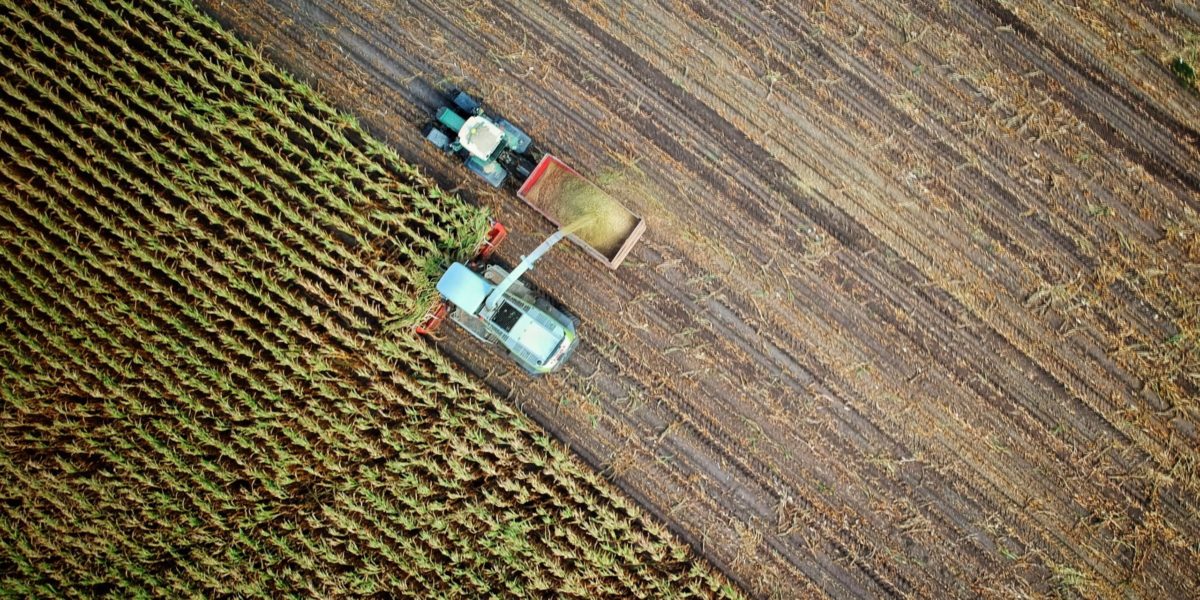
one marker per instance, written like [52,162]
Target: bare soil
[916,308]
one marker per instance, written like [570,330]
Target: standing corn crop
[207,385]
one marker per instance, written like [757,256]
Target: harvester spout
[527,263]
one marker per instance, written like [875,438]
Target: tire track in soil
[1127,379]
[715,426]
[861,530]
[1164,144]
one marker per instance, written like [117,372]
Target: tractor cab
[480,137]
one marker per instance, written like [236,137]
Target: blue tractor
[491,147]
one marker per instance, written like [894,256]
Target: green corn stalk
[230,311]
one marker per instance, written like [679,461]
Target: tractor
[490,146]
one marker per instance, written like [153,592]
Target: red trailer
[562,195]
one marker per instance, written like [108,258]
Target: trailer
[553,189]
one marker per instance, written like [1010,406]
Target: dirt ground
[916,308]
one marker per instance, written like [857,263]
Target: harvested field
[916,308]
[209,386]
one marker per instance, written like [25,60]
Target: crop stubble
[915,310]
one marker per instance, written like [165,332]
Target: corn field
[208,383]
